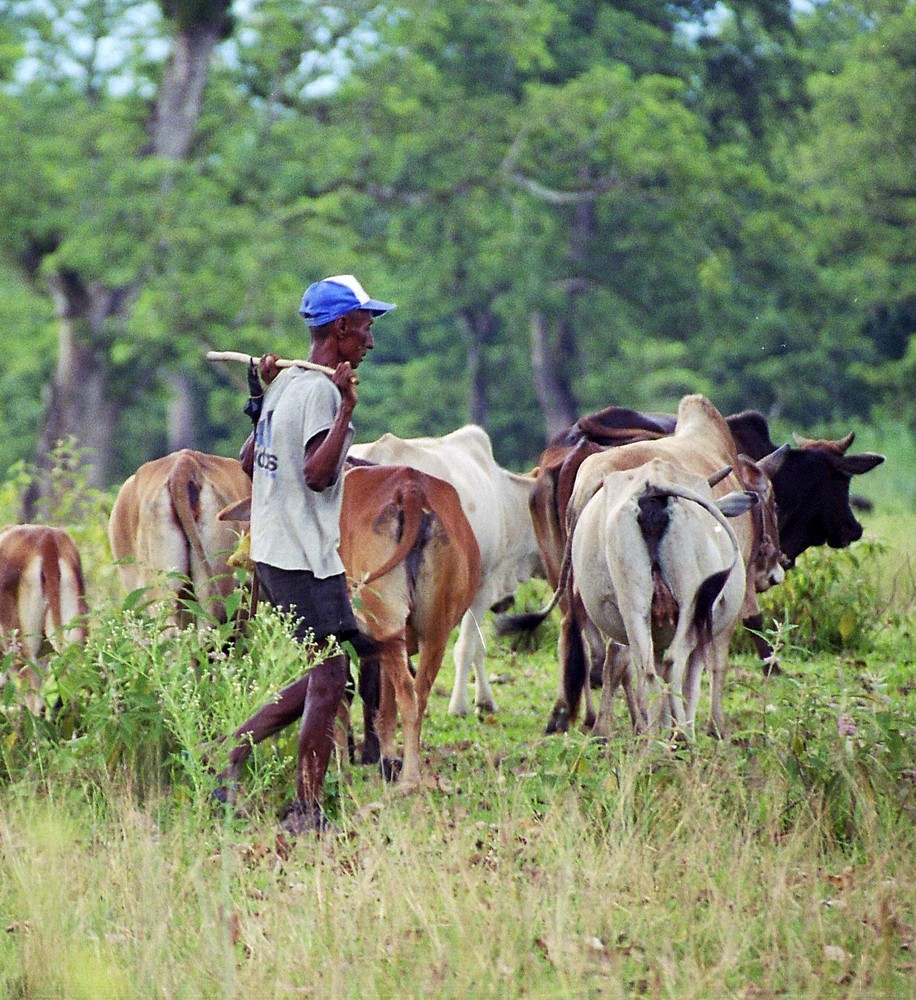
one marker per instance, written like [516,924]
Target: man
[295,458]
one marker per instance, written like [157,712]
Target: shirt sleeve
[319,408]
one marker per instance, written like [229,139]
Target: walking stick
[281,362]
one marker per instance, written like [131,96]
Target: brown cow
[42,597]
[398,517]
[413,567]
[164,522]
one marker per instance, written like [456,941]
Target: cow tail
[707,593]
[653,519]
[185,488]
[50,581]
[574,664]
[409,503]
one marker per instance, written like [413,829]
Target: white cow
[495,502]
[657,567]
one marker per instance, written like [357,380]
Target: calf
[42,597]
[164,531]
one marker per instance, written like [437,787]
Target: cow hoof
[771,668]
[303,818]
[458,708]
[485,708]
[371,752]
[391,768]
[559,721]
[226,792]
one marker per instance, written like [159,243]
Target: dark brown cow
[42,597]
[164,522]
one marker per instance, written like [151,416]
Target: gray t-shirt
[292,526]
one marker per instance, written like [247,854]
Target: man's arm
[323,452]
[246,455]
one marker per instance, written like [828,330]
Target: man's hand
[345,379]
[268,368]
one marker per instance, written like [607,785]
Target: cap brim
[376,307]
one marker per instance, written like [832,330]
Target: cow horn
[772,463]
[844,442]
[717,477]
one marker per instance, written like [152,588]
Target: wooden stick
[281,362]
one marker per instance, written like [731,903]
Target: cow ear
[240,510]
[717,477]
[856,465]
[772,463]
[737,503]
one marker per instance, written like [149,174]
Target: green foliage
[141,700]
[830,599]
[694,197]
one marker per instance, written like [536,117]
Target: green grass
[779,862]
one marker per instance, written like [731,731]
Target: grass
[781,862]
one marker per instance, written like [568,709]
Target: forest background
[574,204]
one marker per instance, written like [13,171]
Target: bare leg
[316,732]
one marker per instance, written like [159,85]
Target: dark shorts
[322,606]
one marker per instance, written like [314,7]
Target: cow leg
[431,652]
[648,687]
[769,664]
[470,653]
[370,694]
[719,667]
[393,660]
[573,669]
[692,690]
[677,665]
[397,673]
[611,676]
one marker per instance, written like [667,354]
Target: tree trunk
[182,89]
[80,402]
[551,383]
[80,406]
[182,414]
[478,327]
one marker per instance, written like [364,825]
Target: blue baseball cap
[330,298]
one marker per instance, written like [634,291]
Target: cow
[701,443]
[811,487]
[497,504]
[413,568]
[42,598]
[164,533]
[658,568]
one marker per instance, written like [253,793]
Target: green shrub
[140,700]
[829,600]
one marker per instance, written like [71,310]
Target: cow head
[767,566]
[812,495]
